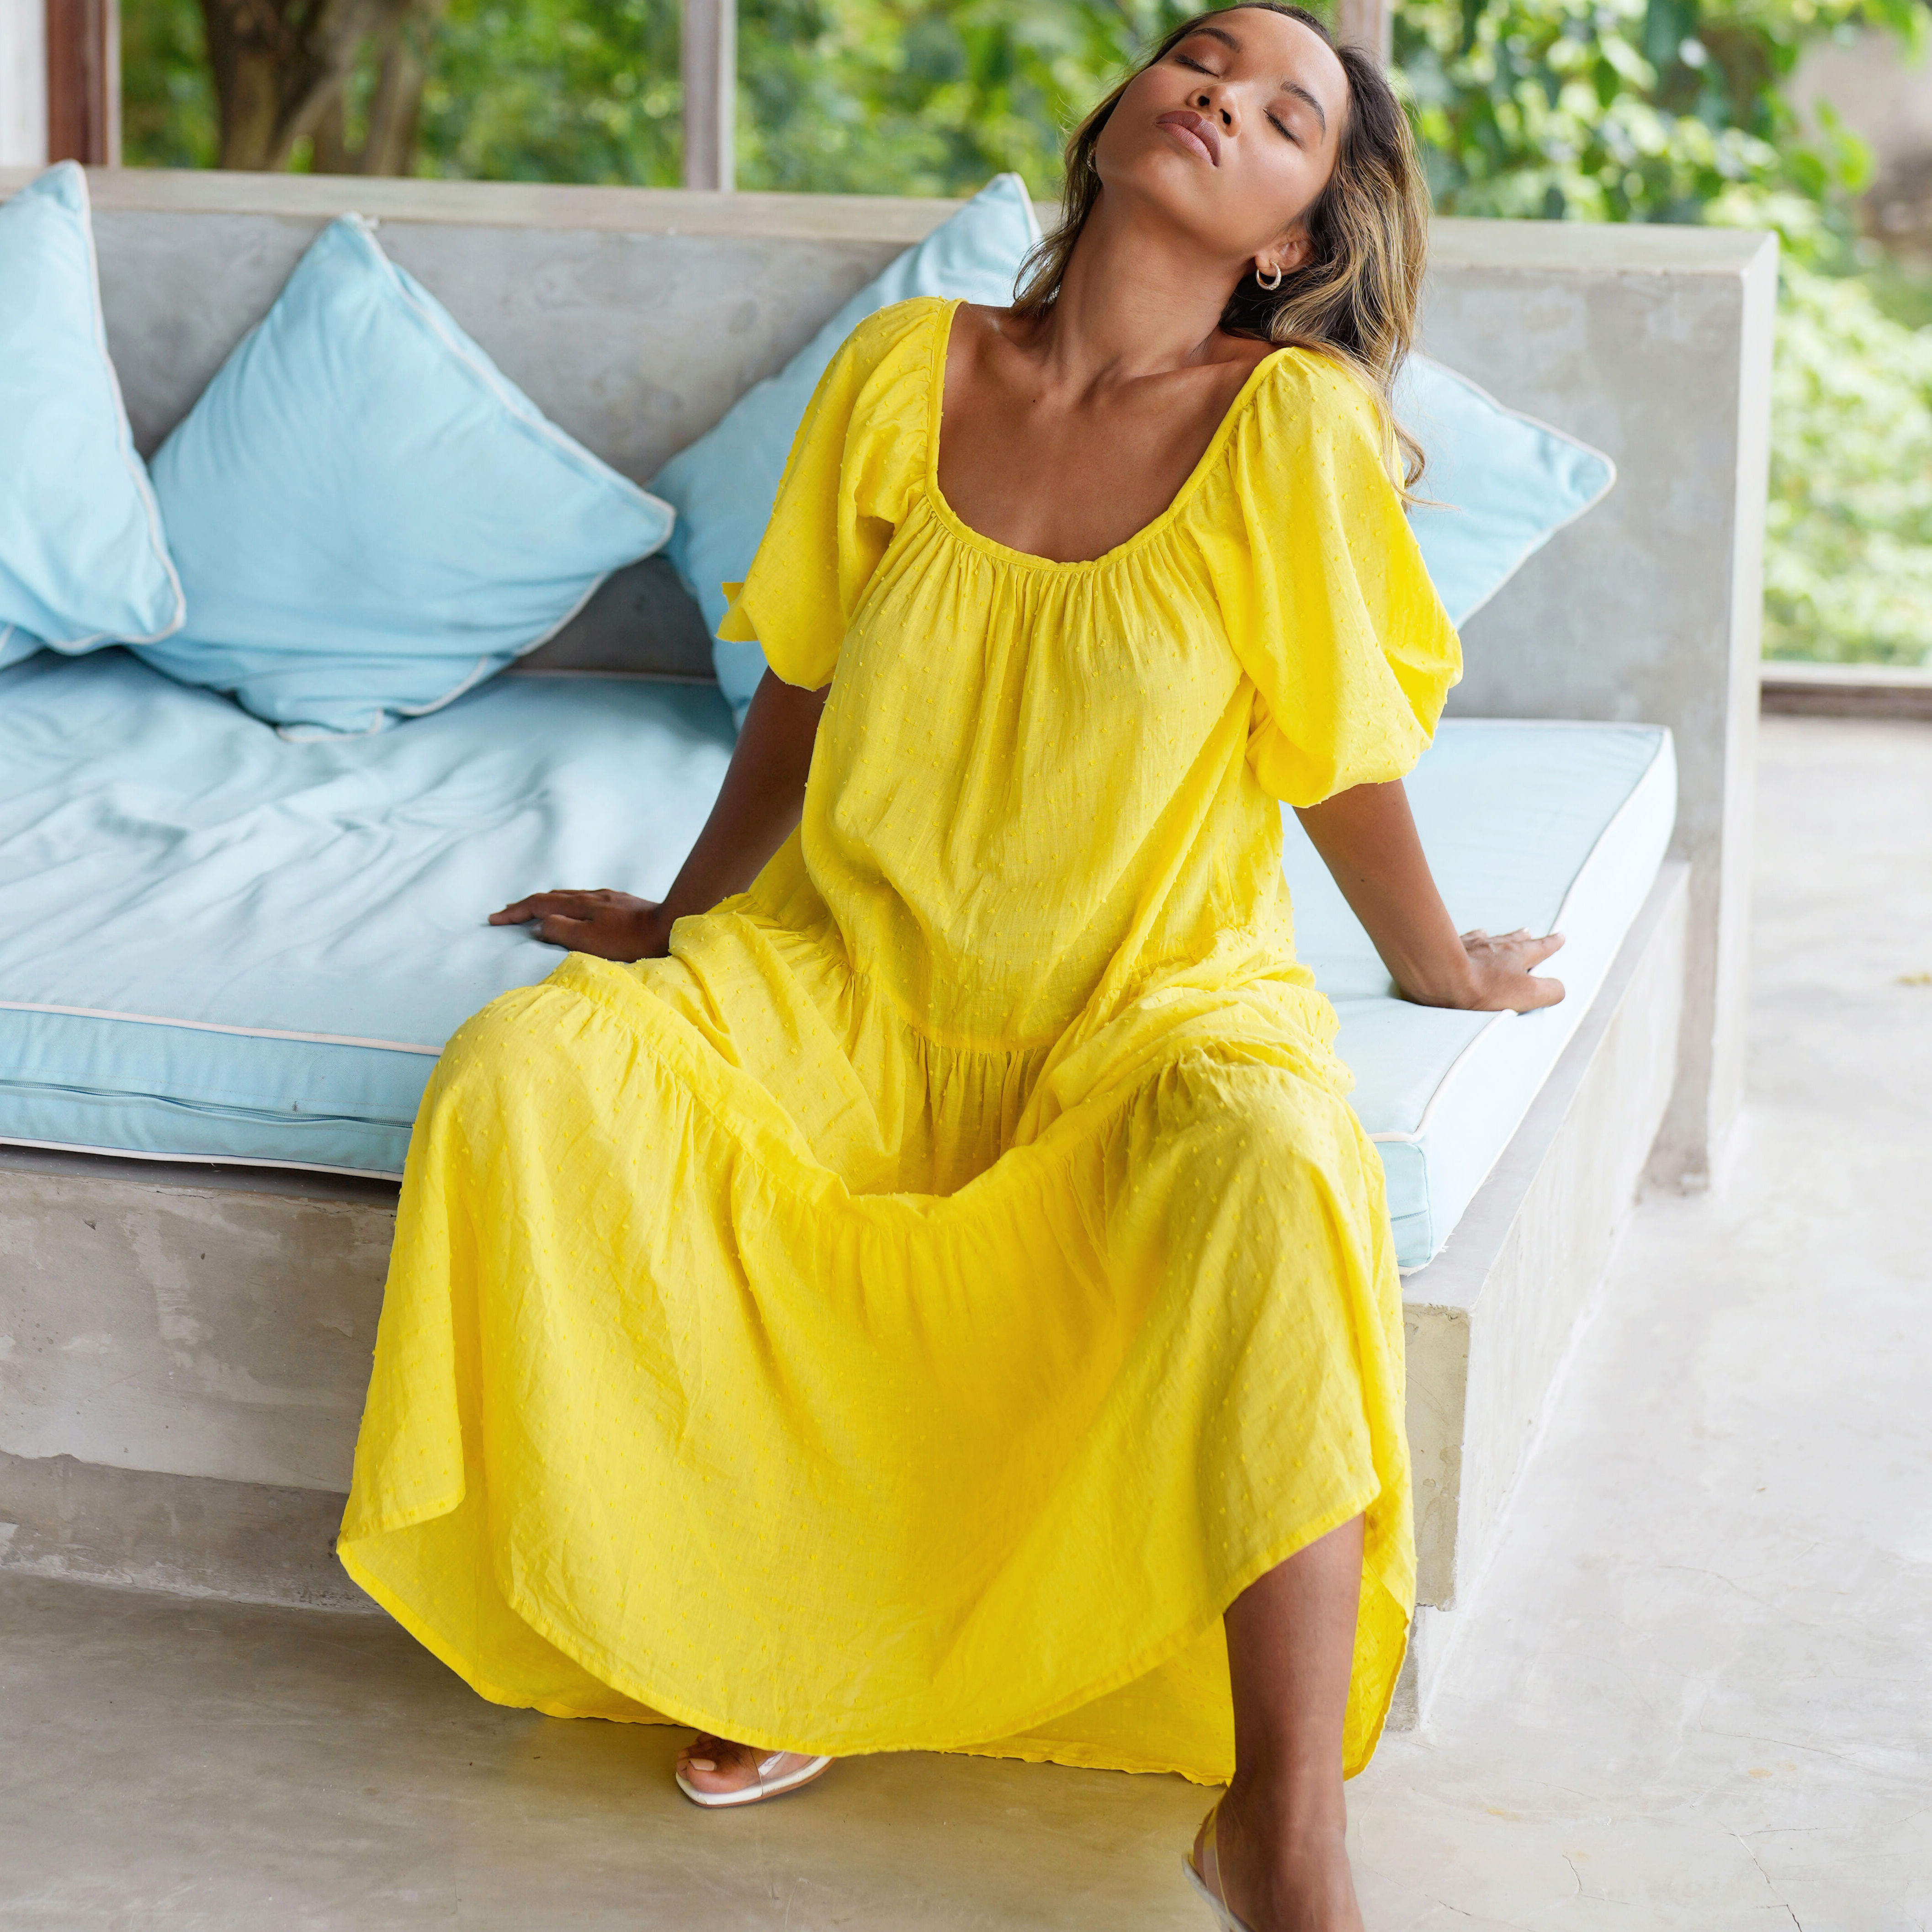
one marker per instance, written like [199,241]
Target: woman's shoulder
[873,404]
[1303,413]
[1309,387]
[1305,420]
[895,329]
[880,378]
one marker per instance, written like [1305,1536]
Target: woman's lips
[1190,126]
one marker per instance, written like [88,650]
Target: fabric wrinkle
[915,1309]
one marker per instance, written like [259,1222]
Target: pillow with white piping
[83,562]
[1499,485]
[722,486]
[370,518]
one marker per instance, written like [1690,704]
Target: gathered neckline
[936,361]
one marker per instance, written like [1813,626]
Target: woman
[937,1296]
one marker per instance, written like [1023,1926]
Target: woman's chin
[1165,183]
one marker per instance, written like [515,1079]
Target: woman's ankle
[1279,1805]
[1284,1860]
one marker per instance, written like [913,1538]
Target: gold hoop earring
[1270,286]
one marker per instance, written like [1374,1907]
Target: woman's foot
[1292,1876]
[717,1771]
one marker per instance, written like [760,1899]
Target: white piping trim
[690,680]
[522,411]
[1667,743]
[387,715]
[513,402]
[1549,428]
[213,1026]
[124,441]
[200,1159]
[1449,1073]
[485,667]
[1664,743]
[1026,202]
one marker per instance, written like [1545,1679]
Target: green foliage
[1621,110]
[1651,110]
[555,90]
[167,97]
[1848,566]
[1670,110]
[860,96]
[929,96]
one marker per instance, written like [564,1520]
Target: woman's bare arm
[757,806]
[1367,839]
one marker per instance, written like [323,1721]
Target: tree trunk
[279,63]
[389,146]
[333,155]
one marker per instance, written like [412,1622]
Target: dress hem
[1010,1740]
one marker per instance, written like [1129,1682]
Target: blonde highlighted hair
[1354,298]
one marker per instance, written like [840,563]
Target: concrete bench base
[186,1350]
[192,1536]
[1490,1320]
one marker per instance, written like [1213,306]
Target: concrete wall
[1886,101]
[23,83]
[634,316]
[1883,97]
[1655,345]
[189,1321]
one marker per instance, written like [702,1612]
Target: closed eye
[1281,127]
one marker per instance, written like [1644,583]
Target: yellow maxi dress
[905,1317]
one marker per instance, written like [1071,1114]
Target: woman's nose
[1206,104]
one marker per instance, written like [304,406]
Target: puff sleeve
[1324,592]
[854,465]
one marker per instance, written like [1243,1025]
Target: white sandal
[1206,1877]
[779,1772]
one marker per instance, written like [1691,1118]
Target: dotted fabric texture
[906,1317]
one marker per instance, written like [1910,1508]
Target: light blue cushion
[280,937]
[369,517]
[83,559]
[1499,485]
[1555,826]
[723,486]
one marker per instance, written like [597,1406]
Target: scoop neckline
[936,360]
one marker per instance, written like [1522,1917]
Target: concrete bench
[183,1350]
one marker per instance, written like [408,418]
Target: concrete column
[23,84]
[1367,24]
[710,61]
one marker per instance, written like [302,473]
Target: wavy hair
[1354,298]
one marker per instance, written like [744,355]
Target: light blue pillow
[369,517]
[723,486]
[1498,485]
[83,559]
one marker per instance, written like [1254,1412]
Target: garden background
[1618,110]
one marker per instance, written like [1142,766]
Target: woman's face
[1233,135]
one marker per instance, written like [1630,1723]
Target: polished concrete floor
[1693,1691]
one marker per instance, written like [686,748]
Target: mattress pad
[225,947]
[1558,826]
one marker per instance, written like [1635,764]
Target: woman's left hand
[1501,970]
[1366,837]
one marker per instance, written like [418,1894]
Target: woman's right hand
[754,813]
[612,925]
[1502,978]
